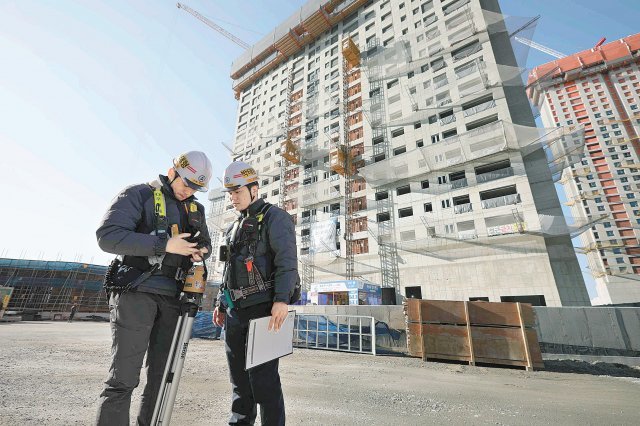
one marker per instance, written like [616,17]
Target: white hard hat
[238,174]
[194,168]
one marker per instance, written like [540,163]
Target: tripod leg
[162,391]
[179,364]
[173,370]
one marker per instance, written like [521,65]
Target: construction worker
[72,314]
[261,262]
[136,227]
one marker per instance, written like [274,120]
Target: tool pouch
[119,277]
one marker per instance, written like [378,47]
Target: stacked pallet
[475,332]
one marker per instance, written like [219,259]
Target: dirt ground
[51,373]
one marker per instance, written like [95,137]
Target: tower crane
[533,44]
[540,47]
[214,26]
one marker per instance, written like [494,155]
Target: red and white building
[599,89]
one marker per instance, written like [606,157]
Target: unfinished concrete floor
[51,373]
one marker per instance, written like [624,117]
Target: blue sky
[97,95]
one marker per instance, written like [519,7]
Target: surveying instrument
[190,299]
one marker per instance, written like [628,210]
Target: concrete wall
[598,331]
[569,330]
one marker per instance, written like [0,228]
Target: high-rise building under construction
[398,135]
[599,89]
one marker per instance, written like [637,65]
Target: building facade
[398,135]
[599,89]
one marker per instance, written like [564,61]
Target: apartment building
[599,89]
[398,135]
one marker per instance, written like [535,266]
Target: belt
[243,293]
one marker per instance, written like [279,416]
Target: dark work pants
[259,385]
[140,323]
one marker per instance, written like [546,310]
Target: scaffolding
[48,286]
[384,203]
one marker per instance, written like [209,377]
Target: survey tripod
[190,302]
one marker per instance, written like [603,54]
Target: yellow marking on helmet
[247,172]
[183,161]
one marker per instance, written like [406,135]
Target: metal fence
[347,333]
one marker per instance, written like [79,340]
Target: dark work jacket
[128,229]
[275,257]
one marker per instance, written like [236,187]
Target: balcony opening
[403,190]
[498,192]
[446,114]
[405,212]
[400,150]
[382,195]
[482,122]
[499,197]
[449,133]
[383,217]
[462,204]
[463,199]
[492,167]
[477,102]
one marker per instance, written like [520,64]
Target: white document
[264,345]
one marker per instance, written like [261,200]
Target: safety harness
[120,277]
[257,284]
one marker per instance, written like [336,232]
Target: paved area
[52,373]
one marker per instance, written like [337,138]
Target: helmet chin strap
[253,198]
[175,176]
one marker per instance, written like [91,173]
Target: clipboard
[264,345]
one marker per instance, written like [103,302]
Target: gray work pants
[140,323]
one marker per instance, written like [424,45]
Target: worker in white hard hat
[260,279]
[143,283]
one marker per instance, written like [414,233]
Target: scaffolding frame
[46,286]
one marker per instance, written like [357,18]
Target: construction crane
[216,27]
[540,47]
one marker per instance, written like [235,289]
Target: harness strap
[243,293]
[257,283]
[160,209]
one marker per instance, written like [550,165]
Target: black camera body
[223,253]
[198,239]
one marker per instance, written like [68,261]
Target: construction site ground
[52,373]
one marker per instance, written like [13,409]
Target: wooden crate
[436,311]
[495,333]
